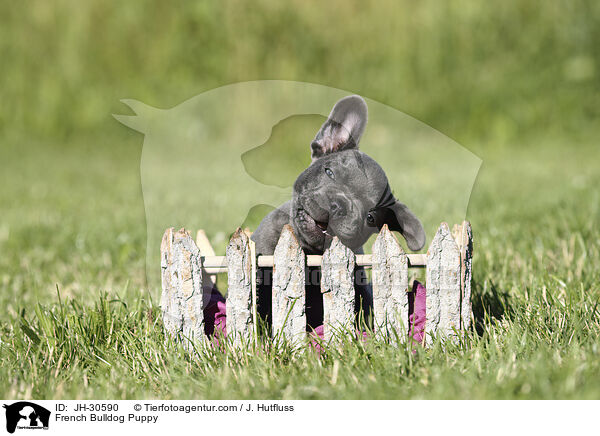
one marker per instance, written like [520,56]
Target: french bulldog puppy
[343,193]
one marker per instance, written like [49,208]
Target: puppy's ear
[400,219]
[343,128]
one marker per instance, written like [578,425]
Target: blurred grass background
[476,72]
[516,82]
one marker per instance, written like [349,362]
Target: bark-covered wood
[289,293]
[218,264]
[240,317]
[186,281]
[443,285]
[337,286]
[390,286]
[464,239]
[182,295]
[253,285]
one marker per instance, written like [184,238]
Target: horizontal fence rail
[189,267]
[218,264]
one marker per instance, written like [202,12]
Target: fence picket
[185,269]
[390,286]
[464,240]
[182,296]
[337,287]
[443,285]
[240,307]
[289,293]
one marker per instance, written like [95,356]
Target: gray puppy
[343,192]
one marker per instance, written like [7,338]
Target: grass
[472,70]
[515,82]
[536,297]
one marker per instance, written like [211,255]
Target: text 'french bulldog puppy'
[343,193]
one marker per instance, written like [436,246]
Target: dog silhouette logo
[227,157]
[26,415]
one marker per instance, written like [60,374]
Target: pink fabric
[417,308]
[315,343]
[215,317]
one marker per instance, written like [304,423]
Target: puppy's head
[344,192]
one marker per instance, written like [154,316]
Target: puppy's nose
[336,208]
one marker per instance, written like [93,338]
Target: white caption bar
[239,417]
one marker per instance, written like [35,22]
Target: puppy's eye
[370,219]
[329,173]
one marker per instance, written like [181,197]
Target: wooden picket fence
[188,267]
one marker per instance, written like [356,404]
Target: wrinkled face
[344,192]
[333,196]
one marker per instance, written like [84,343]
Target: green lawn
[516,82]
[75,225]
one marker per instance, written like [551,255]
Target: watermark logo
[25,415]
[227,157]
